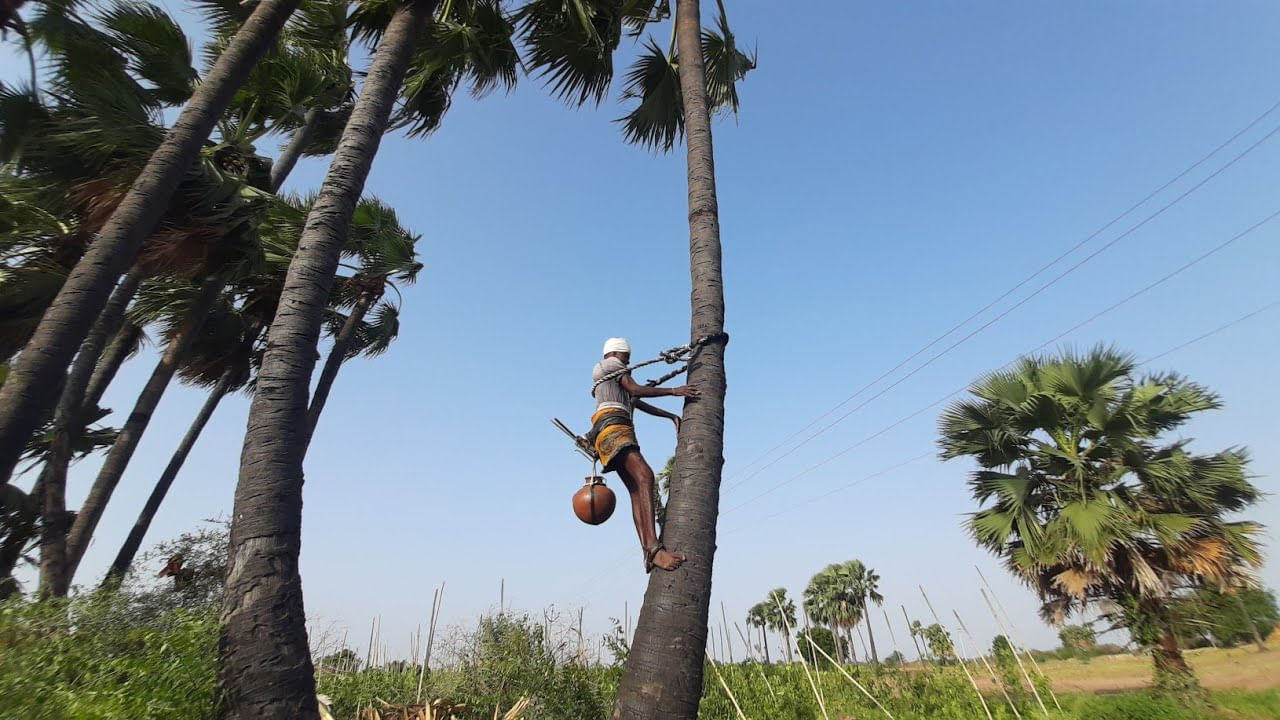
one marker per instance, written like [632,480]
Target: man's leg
[638,477]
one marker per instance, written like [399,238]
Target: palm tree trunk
[871,637]
[786,638]
[130,434]
[663,674]
[124,558]
[337,356]
[283,165]
[68,422]
[1167,655]
[265,670]
[853,651]
[121,347]
[764,640]
[25,396]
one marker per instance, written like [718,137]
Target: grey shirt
[610,394]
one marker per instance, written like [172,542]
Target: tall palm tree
[571,42]
[383,249]
[73,158]
[1085,502]
[25,397]
[309,68]
[263,616]
[387,256]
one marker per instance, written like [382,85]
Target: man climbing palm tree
[613,436]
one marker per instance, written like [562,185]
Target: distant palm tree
[780,616]
[1084,503]
[864,585]
[758,617]
[830,600]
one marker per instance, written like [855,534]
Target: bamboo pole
[994,678]
[850,678]
[1017,636]
[725,685]
[724,620]
[1021,667]
[912,635]
[959,657]
[816,693]
[889,625]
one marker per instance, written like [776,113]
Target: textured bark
[121,347]
[25,397]
[1168,656]
[69,422]
[337,356]
[265,670]
[130,434]
[871,638]
[129,549]
[283,165]
[663,674]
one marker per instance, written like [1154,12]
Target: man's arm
[658,412]
[655,411]
[644,391]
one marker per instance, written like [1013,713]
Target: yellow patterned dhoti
[617,434]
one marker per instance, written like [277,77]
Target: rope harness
[682,354]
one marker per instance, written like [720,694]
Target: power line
[1165,278]
[872,476]
[1019,285]
[1011,308]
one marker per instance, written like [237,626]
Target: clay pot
[594,503]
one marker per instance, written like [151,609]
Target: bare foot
[667,560]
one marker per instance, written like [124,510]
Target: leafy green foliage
[819,636]
[1079,639]
[1082,501]
[103,657]
[1209,616]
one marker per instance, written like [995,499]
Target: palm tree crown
[1084,501]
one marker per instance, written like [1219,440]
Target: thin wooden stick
[959,658]
[889,625]
[1021,667]
[994,678]
[368,655]
[724,619]
[821,703]
[1017,636]
[912,634]
[839,667]
[725,685]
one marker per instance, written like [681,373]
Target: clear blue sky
[896,166]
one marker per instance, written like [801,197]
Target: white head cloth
[619,345]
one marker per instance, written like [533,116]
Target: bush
[97,657]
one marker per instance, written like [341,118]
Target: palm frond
[156,48]
[570,45]
[724,65]
[657,120]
